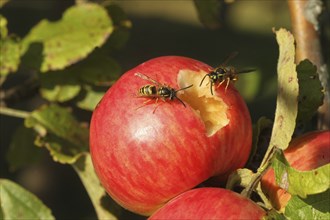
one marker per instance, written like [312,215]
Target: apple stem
[265,165]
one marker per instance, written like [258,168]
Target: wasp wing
[145,77]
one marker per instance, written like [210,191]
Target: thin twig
[305,30]
[17,93]
[14,112]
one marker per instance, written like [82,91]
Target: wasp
[224,73]
[158,91]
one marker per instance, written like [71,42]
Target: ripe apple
[209,203]
[146,154]
[304,153]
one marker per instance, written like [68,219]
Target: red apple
[304,153]
[209,203]
[146,156]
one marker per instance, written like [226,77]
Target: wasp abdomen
[148,90]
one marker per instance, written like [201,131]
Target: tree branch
[17,93]
[305,30]
[14,112]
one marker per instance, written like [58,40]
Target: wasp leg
[211,88]
[220,83]
[144,103]
[157,105]
[228,81]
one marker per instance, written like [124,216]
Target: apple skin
[209,203]
[304,153]
[143,159]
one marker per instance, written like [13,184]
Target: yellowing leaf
[82,28]
[288,88]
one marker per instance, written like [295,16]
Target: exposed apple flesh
[144,157]
[209,203]
[304,153]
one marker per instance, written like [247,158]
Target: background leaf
[22,150]
[310,91]
[97,69]
[286,104]
[248,85]
[301,183]
[61,134]
[82,28]
[209,12]
[313,207]
[59,86]
[90,99]
[18,203]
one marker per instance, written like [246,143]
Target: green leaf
[22,150]
[90,98]
[274,215]
[313,207]
[104,206]
[18,203]
[310,91]
[98,69]
[209,12]
[9,50]
[287,96]
[59,132]
[301,183]
[59,86]
[82,28]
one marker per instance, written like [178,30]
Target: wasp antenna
[184,88]
[246,71]
[203,80]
